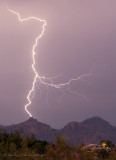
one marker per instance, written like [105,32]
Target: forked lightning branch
[43,79]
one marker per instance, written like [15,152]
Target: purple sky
[78,35]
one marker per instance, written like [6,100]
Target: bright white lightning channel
[44,80]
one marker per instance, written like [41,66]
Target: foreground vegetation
[14,146]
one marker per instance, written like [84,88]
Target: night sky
[79,36]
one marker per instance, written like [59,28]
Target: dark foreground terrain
[15,146]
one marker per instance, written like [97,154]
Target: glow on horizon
[43,79]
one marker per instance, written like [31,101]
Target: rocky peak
[95,121]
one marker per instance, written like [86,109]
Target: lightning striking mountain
[43,79]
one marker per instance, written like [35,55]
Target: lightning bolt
[45,80]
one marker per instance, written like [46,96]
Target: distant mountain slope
[92,130]
[32,126]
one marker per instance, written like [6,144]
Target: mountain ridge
[91,130]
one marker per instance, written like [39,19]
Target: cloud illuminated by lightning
[43,79]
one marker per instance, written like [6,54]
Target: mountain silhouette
[91,130]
